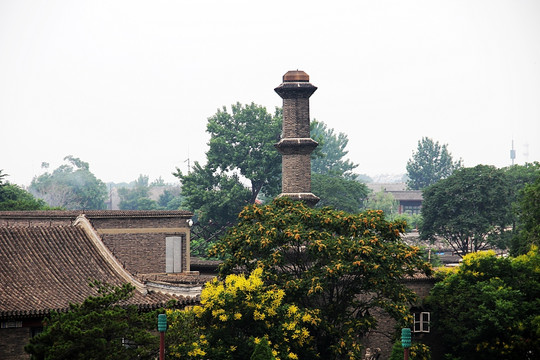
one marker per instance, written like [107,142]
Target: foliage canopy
[12,197]
[137,197]
[330,155]
[71,186]
[529,216]
[489,308]
[469,209]
[239,313]
[343,264]
[97,329]
[339,192]
[243,141]
[430,163]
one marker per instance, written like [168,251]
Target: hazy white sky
[128,85]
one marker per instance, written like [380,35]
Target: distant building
[409,201]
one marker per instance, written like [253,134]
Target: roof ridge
[84,224]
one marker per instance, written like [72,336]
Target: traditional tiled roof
[72,214]
[411,195]
[45,268]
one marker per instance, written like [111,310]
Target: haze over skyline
[127,86]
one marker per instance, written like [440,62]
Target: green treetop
[71,186]
[470,209]
[429,164]
[343,265]
[329,156]
[97,329]
[243,141]
[12,197]
[489,307]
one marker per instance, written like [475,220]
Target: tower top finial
[296,76]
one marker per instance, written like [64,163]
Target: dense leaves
[489,308]
[12,197]
[339,192]
[243,140]
[469,209]
[345,265]
[525,205]
[137,197]
[330,155]
[429,164]
[236,315]
[99,328]
[529,215]
[71,186]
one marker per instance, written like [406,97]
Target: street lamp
[162,327]
[406,342]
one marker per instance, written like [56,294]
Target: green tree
[329,156]
[430,163]
[97,329]
[71,186]
[170,199]
[519,176]
[243,141]
[137,197]
[470,209]
[489,307]
[241,147]
[343,265]
[384,201]
[214,197]
[529,215]
[338,192]
[12,197]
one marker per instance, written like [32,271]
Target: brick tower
[296,144]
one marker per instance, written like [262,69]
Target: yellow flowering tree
[489,307]
[344,266]
[235,315]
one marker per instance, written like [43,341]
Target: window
[35,331]
[421,322]
[10,324]
[129,344]
[173,254]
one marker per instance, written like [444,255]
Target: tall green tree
[242,164]
[518,177]
[339,192]
[215,197]
[489,308]
[13,197]
[470,209]
[243,141]
[97,329]
[170,199]
[138,196]
[330,155]
[71,186]
[529,215]
[430,163]
[346,266]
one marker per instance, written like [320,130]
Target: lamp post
[162,327]
[406,342]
